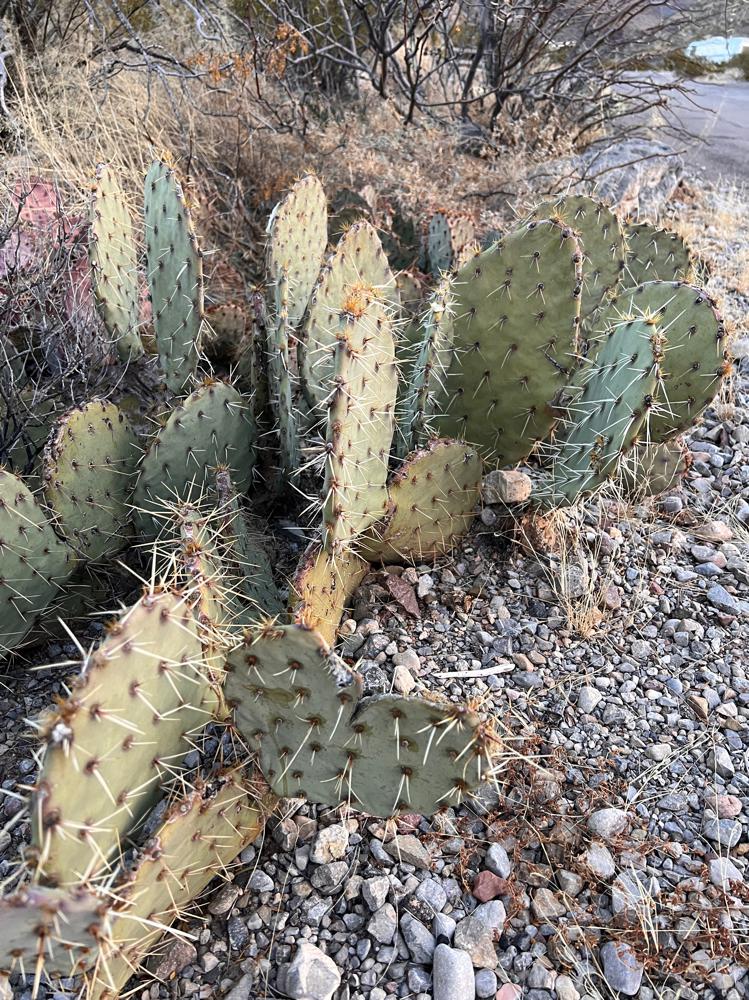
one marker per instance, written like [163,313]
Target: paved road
[719,115]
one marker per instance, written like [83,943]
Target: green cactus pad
[50,933]
[515,321]
[447,236]
[34,562]
[428,373]
[411,290]
[281,380]
[606,419]
[433,499]
[651,469]
[124,729]
[199,838]
[300,709]
[297,237]
[89,472]
[656,254]
[210,428]
[114,264]
[322,587]
[603,244]
[175,276]
[293,703]
[695,360]
[358,263]
[361,417]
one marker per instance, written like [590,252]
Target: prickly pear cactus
[300,708]
[447,235]
[695,360]
[88,472]
[50,933]
[602,242]
[651,469]
[433,499]
[200,836]
[297,237]
[606,419]
[361,419]
[34,563]
[226,325]
[358,263]
[114,264]
[125,728]
[281,381]
[175,276]
[427,374]
[210,428]
[347,207]
[322,587]
[656,254]
[515,337]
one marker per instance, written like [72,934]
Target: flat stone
[419,941]
[608,823]
[430,891]
[329,877]
[720,761]
[443,925]
[224,899]
[658,752]
[565,989]
[716,531]
[621,968]
[570,883]
[631,893]
[723,871]
[383,924]
[476,934]
[726,832]
[330,844]
[506,487]
[597,858]
[403,680]
[728,806]
[587,700]
[509,991]
[409,850]
[488,886]
[166,963]
[243,988]
[498,861]
[547,906]
[375,891]
[260,882]
[311,975]
[541,977]
[452,974]
[719,597]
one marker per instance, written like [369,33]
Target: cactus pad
[695,360]
[175,275]
[114,264]
[301,710]
[361,418]
[607,417]
[50,932]
[34,563]
[515,321]
[198,839]
[88,472]
[297,237]
[656,254]
[125,726]
[210,428]
[603,244]
[447,236]
[651,469]
[358,262]
[281,379]
[433,499]
[322,587]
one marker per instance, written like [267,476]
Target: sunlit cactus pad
[656,254]
[125,728]
[361,420]
[695,360]
[516,310]
[358,262]
[210,428]
[175,275]
[50,933]
[433,500]
[114,263]
[603,244]
[34,563]
[200,836]
[301,709]
[322,587]
[89,473]
[297,237]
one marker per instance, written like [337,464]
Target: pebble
[726,832]
[488,886]
[723,871]
[587,699]
[723,601]
[720,760]
[419,941]
[328,877]
[547,906]
[410,851]
[452,974]
[608,823]
[486,983]
[403,680]
[431,892]
[498,861]
[383,924]
[565,989]
[311,975]
[375,891]
[260,882]
[330,844]
[621,968]
[170,960]
[506,487]
[599,860]
[476,933]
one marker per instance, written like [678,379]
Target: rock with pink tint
[728,806]
[509,992]
[488,886]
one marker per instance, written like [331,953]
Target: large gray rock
[622,970]
[312,975]
[452,975]
[476,934]
[419,941]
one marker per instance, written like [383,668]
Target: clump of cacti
[536,348]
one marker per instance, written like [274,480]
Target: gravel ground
[611,857]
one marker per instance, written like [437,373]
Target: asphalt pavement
[717,116]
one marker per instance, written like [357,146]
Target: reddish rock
[728,806]
[488,886]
